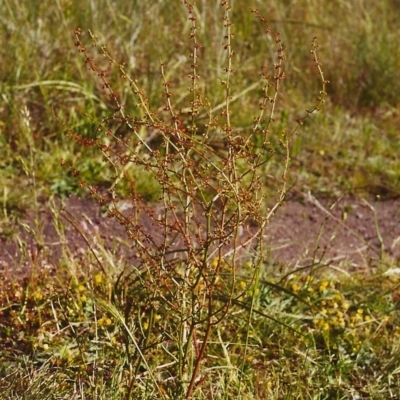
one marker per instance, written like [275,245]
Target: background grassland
[327,339]
[351,147]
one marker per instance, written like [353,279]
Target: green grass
[316,337]
[358,132]
[106,333]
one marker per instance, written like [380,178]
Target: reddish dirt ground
[349,233]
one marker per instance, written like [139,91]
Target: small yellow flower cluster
[306,285]
[157,317]
[104,321]
[146,322]
[336,319]
[356,318]
[323,285]
[242,285]
[38,295]
[333,318]
[80,289]
[295,287]
[98,279]
[332,315]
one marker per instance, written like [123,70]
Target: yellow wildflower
[38,295]
[98,279]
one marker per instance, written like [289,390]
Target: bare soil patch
[349,233]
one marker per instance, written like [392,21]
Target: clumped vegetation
[308,337]
[203,125]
